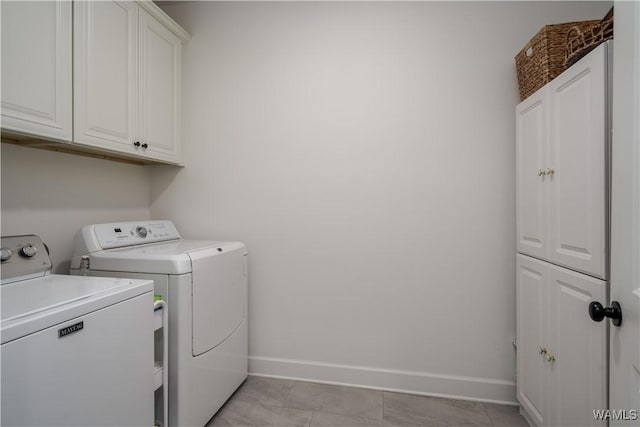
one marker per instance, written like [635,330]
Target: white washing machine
[205,285]
[76,351]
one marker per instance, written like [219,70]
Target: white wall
[53,194]
[365,153]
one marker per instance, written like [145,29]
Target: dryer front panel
[219,295]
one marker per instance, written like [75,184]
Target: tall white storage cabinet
[562,140]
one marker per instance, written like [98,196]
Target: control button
[141,231]
[5,254]
[28,251]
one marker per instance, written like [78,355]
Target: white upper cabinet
[532,207]
[577,158]
[159,68]
[36,69]
[120,95]
[105,74]
[127,79]
[561,172]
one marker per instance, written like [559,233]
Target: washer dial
[28,251]
[141,231]
[5,254]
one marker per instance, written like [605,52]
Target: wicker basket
[580,42]
[543,58]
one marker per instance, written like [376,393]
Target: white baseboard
[422,383]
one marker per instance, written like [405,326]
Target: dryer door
[219,295]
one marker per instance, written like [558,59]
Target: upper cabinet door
[105,74]
[36,68]
[577,162]
[159,82]
[532,145]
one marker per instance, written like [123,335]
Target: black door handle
[597,312]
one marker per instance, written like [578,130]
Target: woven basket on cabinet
[580,42]
[542,59]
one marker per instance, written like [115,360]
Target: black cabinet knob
[597,312]
[136,144]
[145,145]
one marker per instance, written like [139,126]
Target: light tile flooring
[274,402]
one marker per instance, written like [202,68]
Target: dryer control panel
[121,234]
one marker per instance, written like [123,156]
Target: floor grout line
[384,397]
[288,395]
[486,411]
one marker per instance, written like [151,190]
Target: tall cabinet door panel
[579,345]
[159,80]
[577,159]
[532,208]
[105,77]
[532,302]
[36,68]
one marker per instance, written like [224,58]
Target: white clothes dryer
[204,283]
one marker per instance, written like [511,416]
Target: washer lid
[31,305]
[160,258]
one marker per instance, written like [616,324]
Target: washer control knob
[28,250]
[5,254]
[141,231]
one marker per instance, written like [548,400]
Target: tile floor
[274,402]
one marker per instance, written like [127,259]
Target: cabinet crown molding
[161,16]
